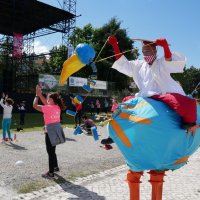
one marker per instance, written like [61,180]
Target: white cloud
[40,48]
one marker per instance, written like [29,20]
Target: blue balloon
[85,53]
[149,135]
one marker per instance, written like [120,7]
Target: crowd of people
[94,107]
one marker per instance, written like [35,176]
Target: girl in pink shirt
[51,109]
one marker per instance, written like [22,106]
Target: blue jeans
[6,122]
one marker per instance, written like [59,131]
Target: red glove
[163,43]
[112,40]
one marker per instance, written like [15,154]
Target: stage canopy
[27,16]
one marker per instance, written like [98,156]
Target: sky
[175,20]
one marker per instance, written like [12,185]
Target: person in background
[91,108]
[22,110]
[63,109]
[7,104]
[114,105]
[106,105]
[98,106]
[88,124]
[109,140]
[51,108]
[79,110]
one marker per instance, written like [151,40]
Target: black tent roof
[27,16]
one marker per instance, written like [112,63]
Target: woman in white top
[7,115]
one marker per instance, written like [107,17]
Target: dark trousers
[78,117]
[22,116]
[52,154]
[92,111]
[98,110]
[106,109]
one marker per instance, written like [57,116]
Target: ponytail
[57,100]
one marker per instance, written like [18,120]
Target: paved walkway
[182,184]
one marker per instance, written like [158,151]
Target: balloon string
[115,54]
[112,56]
[118,53]
[94,61]
[197,86]
[83,100]
[101,50]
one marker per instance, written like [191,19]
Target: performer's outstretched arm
[112,40]
[163,43]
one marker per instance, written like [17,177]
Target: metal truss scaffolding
[69,25]
[32,19]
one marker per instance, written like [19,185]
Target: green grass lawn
[34,121]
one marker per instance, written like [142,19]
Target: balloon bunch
[83,55]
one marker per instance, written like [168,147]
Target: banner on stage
[79,82]
[50,82]
[17,45]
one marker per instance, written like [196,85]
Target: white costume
[153,79]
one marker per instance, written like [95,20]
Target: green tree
[57,57]
[84,35]
[188,79]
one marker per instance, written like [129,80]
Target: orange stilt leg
[133,179]
[156,180]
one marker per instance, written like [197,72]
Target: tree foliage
[189,79]
[57,58]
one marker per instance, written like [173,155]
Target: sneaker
[107,141]
[108,147]
[3,141]
[10,141]
[48,175]
[56,169]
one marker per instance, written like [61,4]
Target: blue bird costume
[149,135]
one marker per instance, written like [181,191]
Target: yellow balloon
[70,66]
